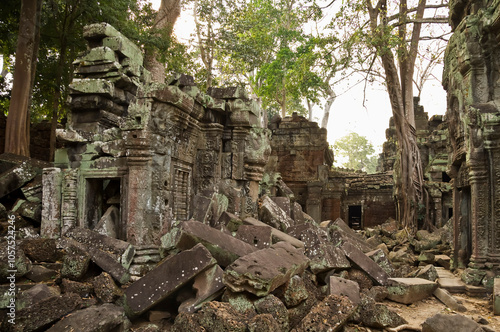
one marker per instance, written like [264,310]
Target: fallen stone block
[230,220]
[84,289]
[263,323]
[39,273]
[270,304]
[106,261]
[105,288]
[41,314]
[496,296]
[75,264]
[34,295]
[293,292]
[213,316]
[379,316]
[271,214]
[28,210]
[327,257]
[449,300]
[41,250]
[263,271]
[208,285]
[284,204]
[443,260]
[340,232]
[106,317]
[356,256]
[298,312]
[21,264]
[258,236]
[223,247]
[108,222]
[450,323]
[122,250]
[17,171]
[277,235]
[202,208]
[344,287]
[170,274]
[329,315]
[428,272]
[379,257]
[409,290]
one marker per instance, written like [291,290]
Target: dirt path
[418,312]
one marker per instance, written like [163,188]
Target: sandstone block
[270,213]
[450,323]
[208,285]
[365,263]
[277,235]
[449,300]
[410,290]
[264,270]
[165,279]
[344,287]
[258,236]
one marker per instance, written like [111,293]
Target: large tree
[17,132]
[357,153]
[393,31]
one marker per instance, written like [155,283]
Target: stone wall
[471,81]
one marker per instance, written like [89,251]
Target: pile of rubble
[283,272]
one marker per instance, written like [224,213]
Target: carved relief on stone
[69,206]
[257,151]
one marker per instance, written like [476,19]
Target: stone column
[139,186]
[69,204]
[480,216]
[51,203]
[313,204]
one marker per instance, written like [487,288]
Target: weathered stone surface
[41,250]
[450,323]
[343,287]
[84,289]
[34,295]
[16,171]
[106,317]
[29,210]
[108,222]
[241,302]
[284,203]
[340,233]
[39,273]
[165,279]
[75,264]
[298,312]
[496,297]
[51,203]
[106,261]
[223,247]
[378,315]
[21,265]
[213,316]
[264,270]
[258,236]
[329,315]
[276,234]
[42,313]
[356,256]
[208,285]
[428,272]
[263,323]
[449,281]
[379,257]
[364,281]
[293,292]
[270,213]
[122,250]
[449,300]
[270,304]
[410,290]
[105,288]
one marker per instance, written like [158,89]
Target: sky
[348,114]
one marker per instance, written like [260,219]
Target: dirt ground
[477,308]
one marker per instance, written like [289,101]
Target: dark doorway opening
[355,216]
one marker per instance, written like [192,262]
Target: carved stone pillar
[313,203]
[69,205]
[51,202]
[480,216]
[139,186]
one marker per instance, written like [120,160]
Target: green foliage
[357,153]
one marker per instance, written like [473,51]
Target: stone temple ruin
[170,209]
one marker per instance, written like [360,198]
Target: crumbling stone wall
[471,81]
[140,155]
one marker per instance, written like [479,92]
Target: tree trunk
[17,131]
[309,109]
[328,105]
[168,13]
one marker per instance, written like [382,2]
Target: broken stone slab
[284,203]
[276,234]
[202,208]
[428,272]
[330,315]
[496,296]
[293,292]
[344,287]
[450,323]
[297,214]
[108,222]
[84,289]
[263,323]
[208,285]
[173,95]
[223,247]
[16,171]
[449,281]
[263,271]
[270,213]
[168,276]
[106,261]
[443,261]
[230,220]
[106,317]
[258,236]
[379,257]
[28,210]
[121,250]
[41,250]
[449,300]
[41,314]
[35,294]
[51,203]
[409,290]
[356,256]
[340,232]
[228,93]
[326,257]
[33,190]
[379,316]
[105,288]
[40,273]
[270,304]
[18,267]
